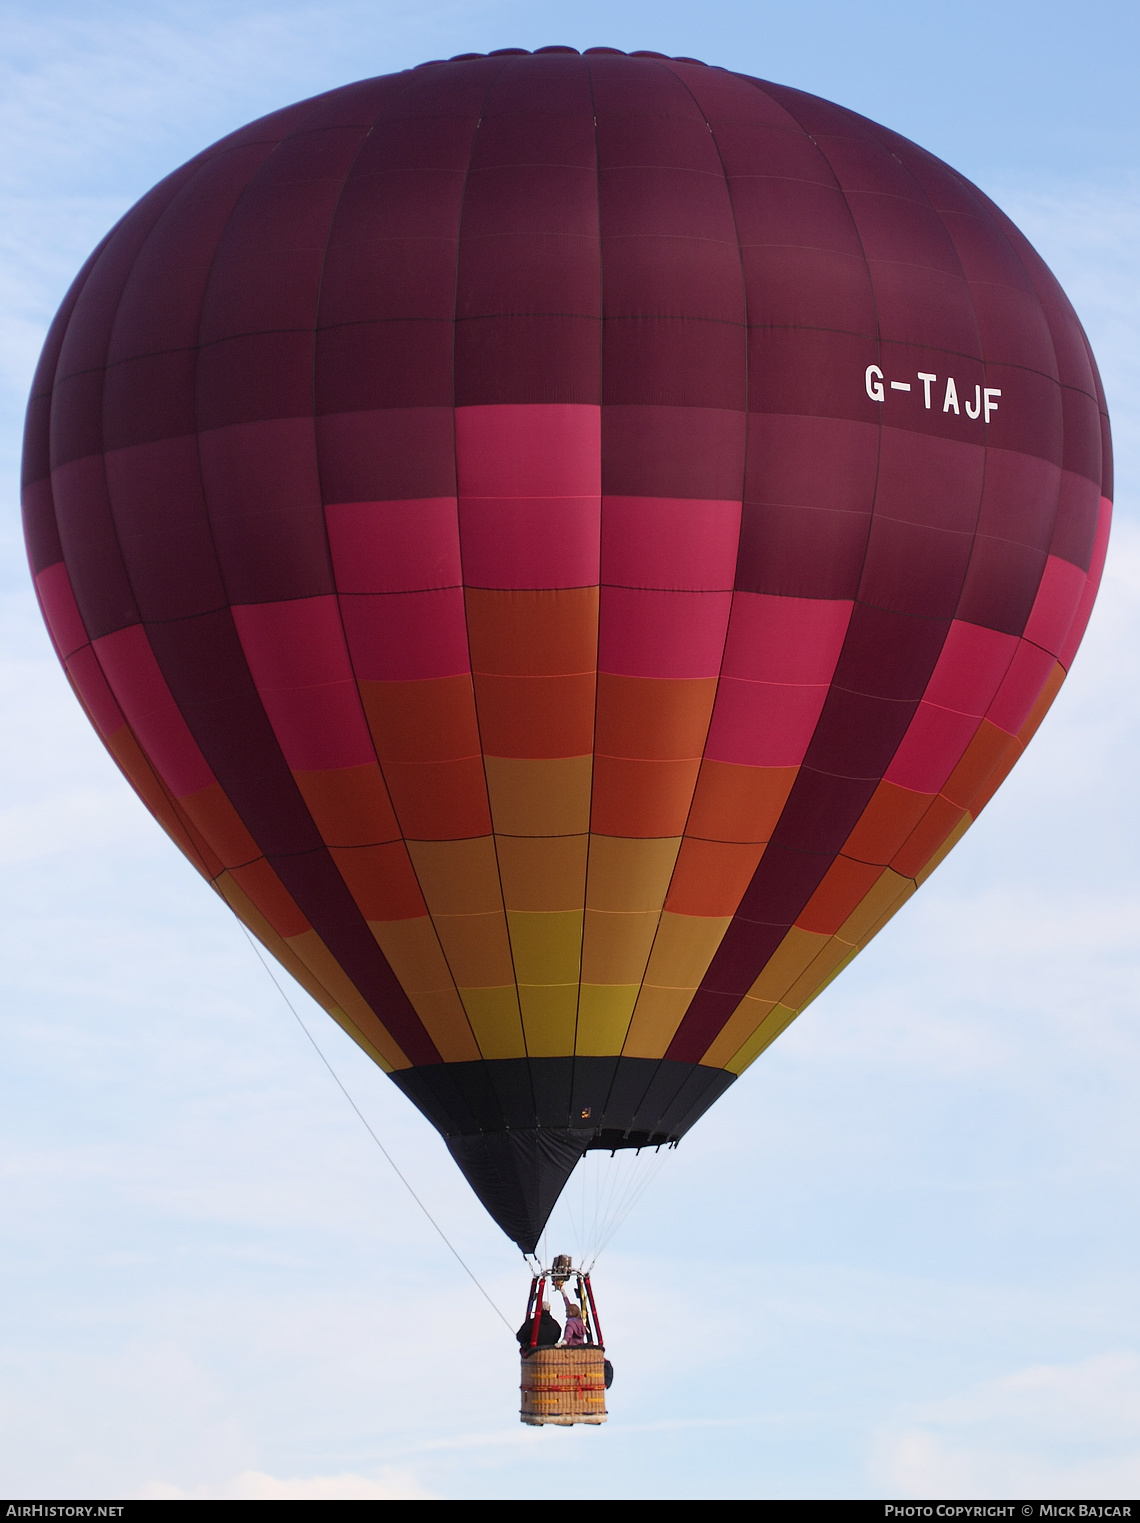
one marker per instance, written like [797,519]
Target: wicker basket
[563,1386]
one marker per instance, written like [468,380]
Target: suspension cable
[625,1208]
[598,1204]
[469,1272]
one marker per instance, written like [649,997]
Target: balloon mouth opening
[518,1127]
[611,1139]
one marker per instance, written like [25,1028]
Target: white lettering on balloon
[983,404]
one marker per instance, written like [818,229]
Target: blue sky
[899,1258]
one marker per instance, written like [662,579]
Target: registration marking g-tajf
[984,400]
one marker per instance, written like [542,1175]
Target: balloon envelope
[565,545]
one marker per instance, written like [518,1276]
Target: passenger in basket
[574,1335]
[549,1331]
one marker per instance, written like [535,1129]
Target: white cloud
[391,1484]
[1049,1430]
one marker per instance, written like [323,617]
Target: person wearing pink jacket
[574,1333]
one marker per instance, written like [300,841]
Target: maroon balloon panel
[565,544]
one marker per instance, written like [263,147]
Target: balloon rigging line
[469,1272]
[632,1198]
[607,1191]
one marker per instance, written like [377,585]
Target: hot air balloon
[565,544]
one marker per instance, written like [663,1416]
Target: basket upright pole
[537,1314]
[584,1308]
[594,1309]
